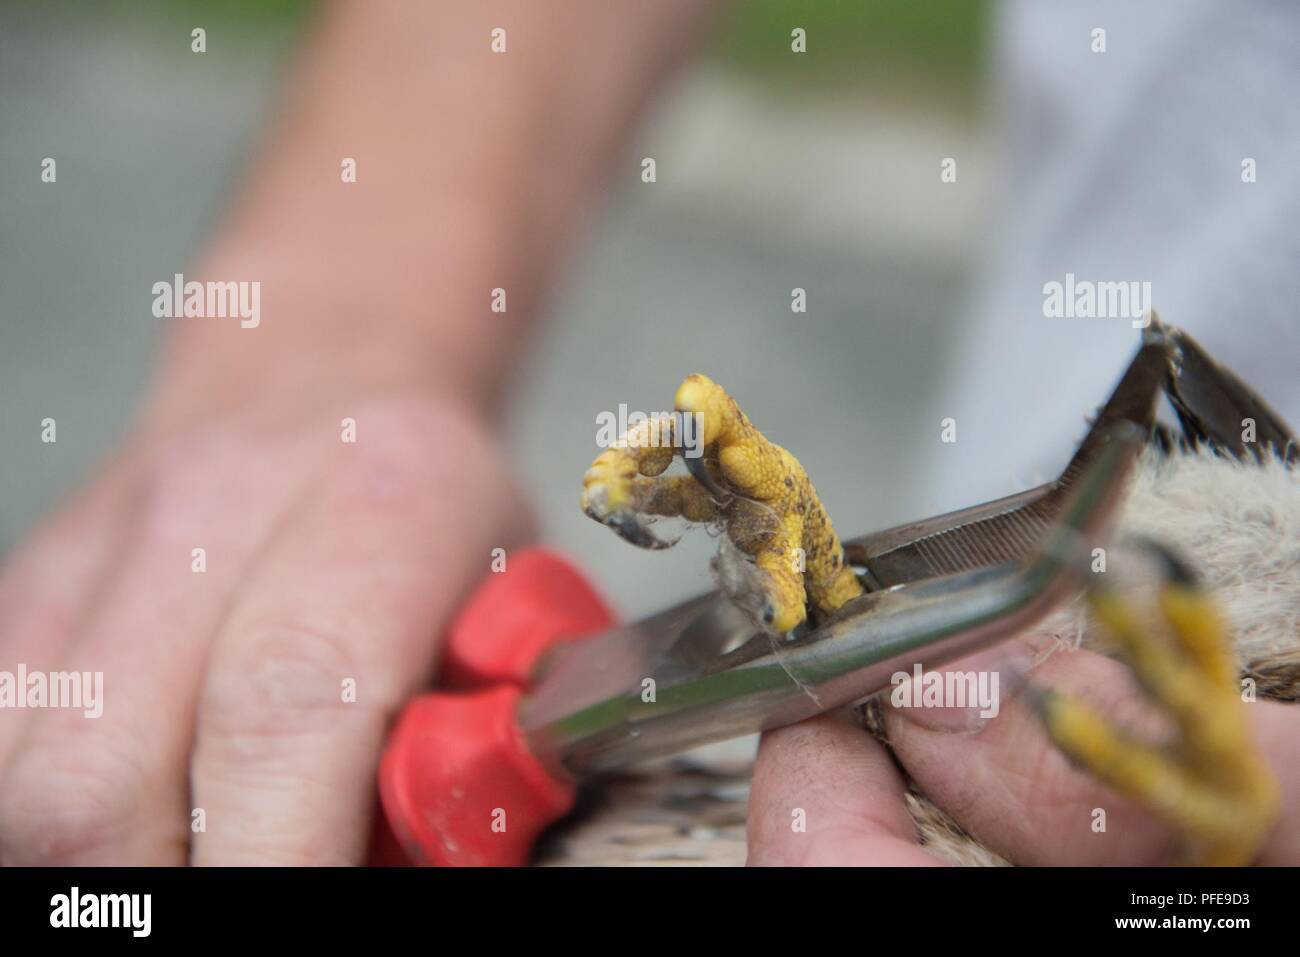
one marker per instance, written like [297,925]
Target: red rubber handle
[457,781]
[515,616]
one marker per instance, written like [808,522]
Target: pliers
[543,689]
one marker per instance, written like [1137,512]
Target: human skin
[327,561]
[1001,780]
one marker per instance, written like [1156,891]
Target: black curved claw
[1172,565]
[700,472]
[630,529]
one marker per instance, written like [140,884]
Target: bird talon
[754,489]
[631,529]
[699,471]
[1212,784]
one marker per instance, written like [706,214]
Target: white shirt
[1127,165]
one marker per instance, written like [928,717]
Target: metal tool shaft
[703,673]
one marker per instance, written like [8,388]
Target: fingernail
[965,696]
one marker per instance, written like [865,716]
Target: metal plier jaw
[703,671]
[471,776]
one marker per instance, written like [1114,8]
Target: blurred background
[693,274]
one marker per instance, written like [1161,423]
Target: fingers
[1007,786]
[112,787]
[1277,729]
[47,585]
[335,626]
[826,793]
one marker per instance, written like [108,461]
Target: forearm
[473,169]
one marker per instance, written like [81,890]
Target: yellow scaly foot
[1211,783]
[755,489]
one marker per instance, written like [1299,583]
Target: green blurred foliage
[248,18]
[855,37]
[846,38]
[255,14]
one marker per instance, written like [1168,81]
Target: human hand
[1003,782]
[225,690]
